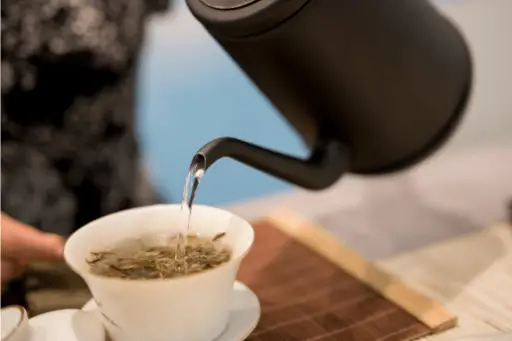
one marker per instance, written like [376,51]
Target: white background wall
[487,25]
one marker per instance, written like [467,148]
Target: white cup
[189,308]
[14,323]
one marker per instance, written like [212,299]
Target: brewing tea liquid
[195,173]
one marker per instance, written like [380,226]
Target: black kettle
[373,86]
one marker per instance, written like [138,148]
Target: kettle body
[388,80]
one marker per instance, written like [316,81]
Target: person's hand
[22,244]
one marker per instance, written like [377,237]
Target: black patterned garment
[69,151]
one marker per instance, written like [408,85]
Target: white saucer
[245,313]
[66,325]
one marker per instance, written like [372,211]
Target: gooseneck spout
[328,161]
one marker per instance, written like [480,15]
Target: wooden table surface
[470,275]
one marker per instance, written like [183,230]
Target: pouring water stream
[195,173]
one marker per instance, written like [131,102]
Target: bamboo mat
[311,288]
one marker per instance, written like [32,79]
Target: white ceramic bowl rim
[16,328]
[122,281]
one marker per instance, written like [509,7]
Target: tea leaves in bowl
[135,260]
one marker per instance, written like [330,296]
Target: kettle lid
[226,5]
[242,18]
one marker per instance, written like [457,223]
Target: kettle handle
[326,164]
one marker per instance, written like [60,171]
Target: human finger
[23,242]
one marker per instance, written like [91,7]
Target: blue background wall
[191,92]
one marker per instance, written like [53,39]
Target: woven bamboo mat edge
[426,310]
